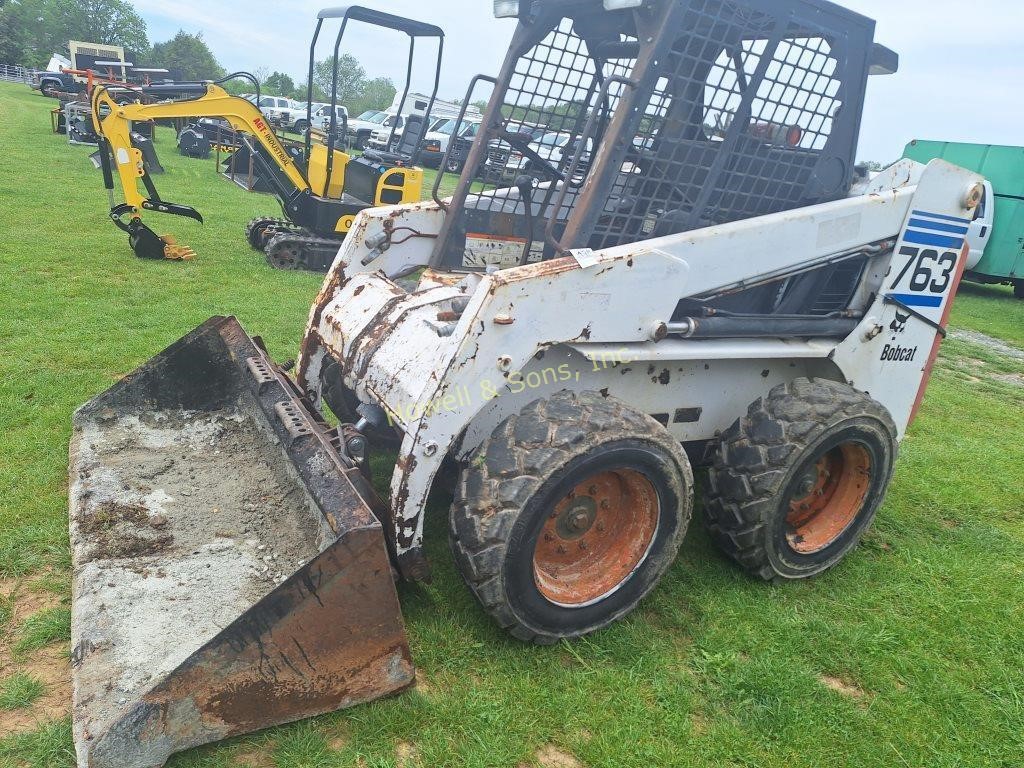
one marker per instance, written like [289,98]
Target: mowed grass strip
[907,654]
[20,691]
[39,630]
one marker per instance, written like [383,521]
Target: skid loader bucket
[230,570]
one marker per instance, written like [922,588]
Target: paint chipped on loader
[567,336]
[230,571]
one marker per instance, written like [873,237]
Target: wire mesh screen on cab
[735,109]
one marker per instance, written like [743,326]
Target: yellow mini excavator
[320,188]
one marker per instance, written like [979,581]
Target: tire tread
[757,451]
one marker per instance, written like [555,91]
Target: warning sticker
[483,250]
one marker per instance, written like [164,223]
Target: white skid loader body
[602,322]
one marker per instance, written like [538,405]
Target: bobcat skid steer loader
[562,348]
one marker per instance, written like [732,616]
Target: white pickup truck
[322,117]
[381,137]
[271,105]
[435,142]
[294,117]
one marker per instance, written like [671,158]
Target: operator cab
[663,119]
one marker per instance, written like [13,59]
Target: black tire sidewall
[525,600]
[875,438]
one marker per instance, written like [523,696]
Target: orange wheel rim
[596,537]
[832,494]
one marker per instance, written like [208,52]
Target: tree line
[32,30]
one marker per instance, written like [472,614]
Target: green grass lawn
[909,654]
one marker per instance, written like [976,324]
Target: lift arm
[112,122]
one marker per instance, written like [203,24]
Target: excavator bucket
[230,569]
[147,244]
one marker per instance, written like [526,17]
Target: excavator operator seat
[404,154]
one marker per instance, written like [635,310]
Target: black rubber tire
[763,453]
[530,461]
[1018,290]
[455,165]
[300,127]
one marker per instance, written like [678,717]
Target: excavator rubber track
[289,250]
[230,569]
[259,231]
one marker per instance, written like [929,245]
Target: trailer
[997,233]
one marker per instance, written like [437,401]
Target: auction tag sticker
[585,257]
[482,250]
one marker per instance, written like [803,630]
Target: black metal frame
[699,112]
[414,29]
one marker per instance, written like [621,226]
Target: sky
[961,64]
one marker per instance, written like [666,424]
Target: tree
[114,22]
[351,79]
[189,56]
[376,94]
[32,30]
[279,84]
[18,44]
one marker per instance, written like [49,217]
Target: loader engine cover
[230,572]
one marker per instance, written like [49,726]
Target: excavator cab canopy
[414,30]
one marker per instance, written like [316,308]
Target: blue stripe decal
[941,216]
[939,241]
[934,226]
[916,300]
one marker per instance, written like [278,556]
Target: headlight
[506,9]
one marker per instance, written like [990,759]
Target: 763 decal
[930,270]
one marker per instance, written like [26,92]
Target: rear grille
[498,156]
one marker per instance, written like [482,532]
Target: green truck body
[1003,166]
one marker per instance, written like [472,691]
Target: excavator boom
[112,122]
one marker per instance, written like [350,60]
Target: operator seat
[412,136]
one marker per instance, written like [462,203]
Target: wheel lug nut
[600,527]
[606,504]
[561,549]
[548,537]
[583,545]
[592,490]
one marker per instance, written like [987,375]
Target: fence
[16,74]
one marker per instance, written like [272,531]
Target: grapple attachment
[147,244]
[230,571]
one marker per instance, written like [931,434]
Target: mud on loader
[570,346]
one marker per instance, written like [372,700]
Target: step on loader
[563,348]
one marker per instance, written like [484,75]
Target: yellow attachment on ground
[179,253]
[317,172]
[175,252]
